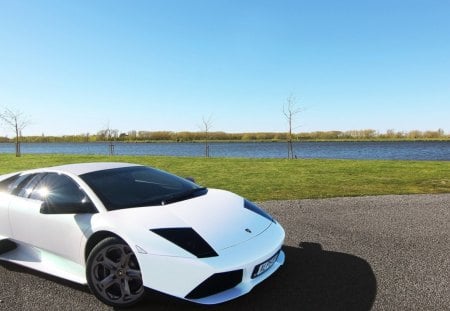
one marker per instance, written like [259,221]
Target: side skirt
[40,260]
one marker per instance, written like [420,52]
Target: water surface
[407,150]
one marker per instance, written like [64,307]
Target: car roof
[84,168]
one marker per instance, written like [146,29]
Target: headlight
[188,239]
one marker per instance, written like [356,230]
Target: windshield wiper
[186,195]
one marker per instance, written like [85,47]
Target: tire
[113,273]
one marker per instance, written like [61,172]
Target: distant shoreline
[199,137]
[24,140]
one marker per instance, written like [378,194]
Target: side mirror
[44,208]
[68,208]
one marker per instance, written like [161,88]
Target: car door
[52,213]
[8,187]
[5,228]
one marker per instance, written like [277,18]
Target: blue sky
[75,66]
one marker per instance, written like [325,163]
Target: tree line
[17,121]
[185,136]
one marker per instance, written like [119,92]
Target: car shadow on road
[311,279]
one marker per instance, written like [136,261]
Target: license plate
[263,267]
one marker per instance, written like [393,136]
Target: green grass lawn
[278,179]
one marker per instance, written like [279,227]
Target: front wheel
[113,273]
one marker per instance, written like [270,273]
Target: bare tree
[290,111]
[109,135]
[17,121]
[206,127]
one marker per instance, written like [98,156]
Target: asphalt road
[369,253]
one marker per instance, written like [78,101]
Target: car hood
[219,217]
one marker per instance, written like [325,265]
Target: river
[386,150]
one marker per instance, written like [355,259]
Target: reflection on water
[439,150]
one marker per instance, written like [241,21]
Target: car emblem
[248,230]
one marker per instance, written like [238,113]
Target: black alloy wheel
[113,273]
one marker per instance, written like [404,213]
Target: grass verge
[278,179]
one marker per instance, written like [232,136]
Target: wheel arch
[95,239]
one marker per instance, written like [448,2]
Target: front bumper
[245,286]
[180,276]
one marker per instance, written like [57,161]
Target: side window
[61,195]
[5,185]
[14,184]
[27,187]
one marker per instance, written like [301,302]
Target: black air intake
[187,239]
[216,283]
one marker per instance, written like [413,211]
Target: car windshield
[138,186]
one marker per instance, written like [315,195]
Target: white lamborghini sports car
[121,227]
